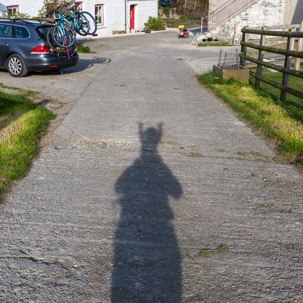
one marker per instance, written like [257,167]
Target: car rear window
[42,31]
[21,32]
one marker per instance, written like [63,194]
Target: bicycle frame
[77,21]
[62,18]
[64,37]
[62,30]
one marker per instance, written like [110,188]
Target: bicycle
[82,22]
[61,36]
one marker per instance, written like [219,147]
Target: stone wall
[263,13]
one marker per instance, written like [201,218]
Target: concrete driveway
[149,190]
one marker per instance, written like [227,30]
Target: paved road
[150,190]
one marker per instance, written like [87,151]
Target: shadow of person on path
[147,261]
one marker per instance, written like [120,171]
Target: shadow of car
[23,48]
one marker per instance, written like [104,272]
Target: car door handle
[6,44]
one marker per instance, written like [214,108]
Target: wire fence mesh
[229,59]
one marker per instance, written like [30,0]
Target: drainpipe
[125,16]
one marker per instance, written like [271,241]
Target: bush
[155,24]
[166,11]
[16,15]
[83,49]
[48,5]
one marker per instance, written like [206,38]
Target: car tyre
[16,66]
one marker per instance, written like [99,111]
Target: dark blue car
[23,48]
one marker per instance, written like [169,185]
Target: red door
[132,17]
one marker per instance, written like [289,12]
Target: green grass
[294,105]
[282,123]
[83,49]
[193,154]
[206,44]
[22,123]
[208,252]
[294,82]
[221,249]
[186,21]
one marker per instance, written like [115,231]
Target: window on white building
[99,14]
[12,10]
[79,5]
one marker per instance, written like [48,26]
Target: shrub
[16,15]
[83,49]
[48,5]
[155,24]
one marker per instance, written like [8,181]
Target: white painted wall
[114,12]
[30,7]
[2,9]
[293,11]
[214,4]
[113,15]
[144,9]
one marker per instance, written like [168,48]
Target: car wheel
[16,66]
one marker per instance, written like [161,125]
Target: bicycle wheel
[62,35]
[52,44]
[87,23]
[59,48]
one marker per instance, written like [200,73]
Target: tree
[192,8]
[165,3]
[49,5]
[16,15]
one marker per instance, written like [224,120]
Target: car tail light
[40,50]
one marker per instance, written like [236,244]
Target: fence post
[235,34]
[287,64]
[260,57]
[299,48]
[243,49]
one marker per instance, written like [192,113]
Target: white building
[111,15]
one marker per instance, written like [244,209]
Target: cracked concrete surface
[150,190]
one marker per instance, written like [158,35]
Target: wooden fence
[288,54]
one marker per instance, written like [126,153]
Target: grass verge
[22,123]
[84,49]
[282,123]
[215,44]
